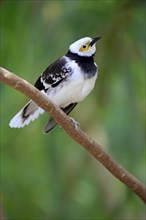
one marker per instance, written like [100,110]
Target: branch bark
[78,135]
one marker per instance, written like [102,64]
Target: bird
[66,82]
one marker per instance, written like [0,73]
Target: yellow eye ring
[84,48]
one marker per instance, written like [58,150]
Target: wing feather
[54,74]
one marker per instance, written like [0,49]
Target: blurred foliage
[50,176]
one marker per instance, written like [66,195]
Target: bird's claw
[75,123]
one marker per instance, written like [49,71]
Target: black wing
[52,123]
[53,75]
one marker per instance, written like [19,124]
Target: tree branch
[77,134]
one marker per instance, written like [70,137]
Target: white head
[84,46]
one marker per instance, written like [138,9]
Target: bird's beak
[94,40]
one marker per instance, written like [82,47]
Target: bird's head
[84,46]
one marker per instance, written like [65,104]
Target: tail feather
[52,123]
[29,113]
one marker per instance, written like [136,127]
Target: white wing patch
[53,78]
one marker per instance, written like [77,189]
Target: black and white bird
[66,82]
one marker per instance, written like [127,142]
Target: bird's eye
[84,48]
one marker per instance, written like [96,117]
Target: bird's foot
[75,123]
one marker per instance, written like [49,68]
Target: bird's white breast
[87,87]
[73,89]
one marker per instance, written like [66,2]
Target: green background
[50,176]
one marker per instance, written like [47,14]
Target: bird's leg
[74,123]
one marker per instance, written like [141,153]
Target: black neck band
[78,58]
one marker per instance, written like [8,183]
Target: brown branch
[77,134]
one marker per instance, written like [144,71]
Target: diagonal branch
[77,134]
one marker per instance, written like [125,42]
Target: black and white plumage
[66,82]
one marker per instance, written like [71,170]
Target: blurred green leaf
[50,176]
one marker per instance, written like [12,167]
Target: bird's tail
[28,113]
[52,123]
